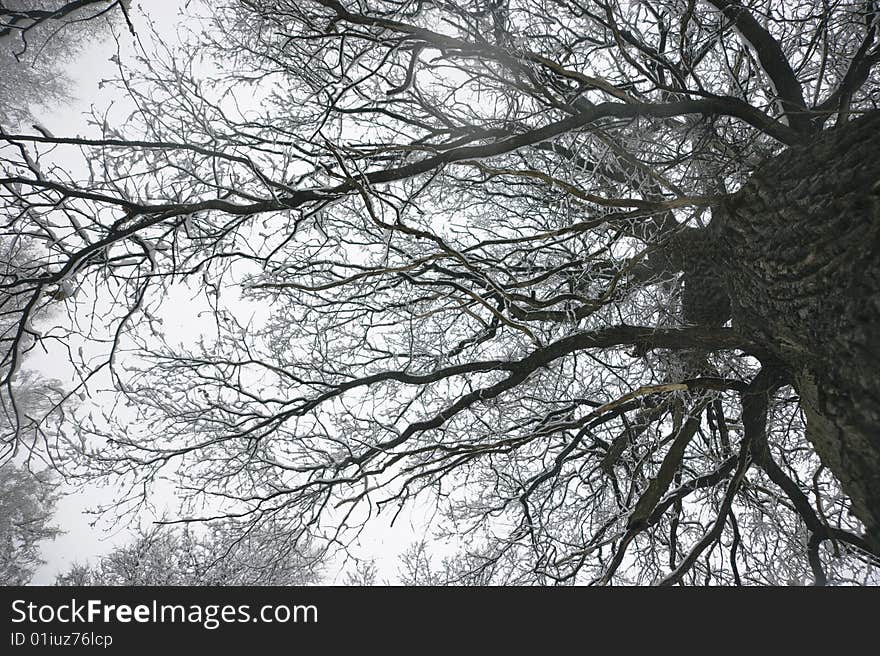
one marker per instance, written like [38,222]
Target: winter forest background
[482,292]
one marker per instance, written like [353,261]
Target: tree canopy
[492,259]
[27,502]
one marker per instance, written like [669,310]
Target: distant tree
[31,407]
[27,502]
[366,573]
[179,556]
[416,566]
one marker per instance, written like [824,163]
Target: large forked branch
[649,510]
[671,462]
[755,406]
[717,105]
[773,61]
[769,51]
[856,75]
[520,370]
[727,106]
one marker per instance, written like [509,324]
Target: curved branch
[773,61]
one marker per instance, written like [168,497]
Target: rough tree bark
[798,250]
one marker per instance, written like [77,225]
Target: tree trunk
[799,250]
